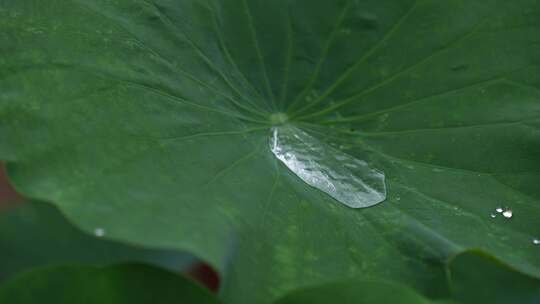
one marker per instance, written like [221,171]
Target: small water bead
[99,232]
[508,213]
[536,241]
[505,212]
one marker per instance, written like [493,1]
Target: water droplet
[493,215]
[350,181]
[99,232]
[507,213]
[536,241]
[499,210]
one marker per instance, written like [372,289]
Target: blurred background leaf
[35,234]
[119,284]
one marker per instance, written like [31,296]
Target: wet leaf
[151,119]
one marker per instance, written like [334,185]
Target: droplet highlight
[493,215]
[499,210]
[350,181]
[508,213]
[99,232]
[536,241]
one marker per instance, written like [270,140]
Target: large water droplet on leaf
[348,180]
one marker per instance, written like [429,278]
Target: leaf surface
[152,119]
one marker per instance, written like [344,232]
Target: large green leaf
[151,119]
[121,284]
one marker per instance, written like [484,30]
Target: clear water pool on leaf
[352,182]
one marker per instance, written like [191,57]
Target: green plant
[149,122]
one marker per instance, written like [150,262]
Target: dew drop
[499,210]
[99,232]
[536,241]
[493,215]
[350,181]
[507,213]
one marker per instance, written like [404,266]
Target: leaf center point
[279,118]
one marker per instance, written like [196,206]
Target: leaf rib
[233,165]
[164,17]
[503,123]
[262,63]
[288,61]
[158,55]
[225,48]
[370,52]
[367,116]
[187,102]
[322,59]
[388,80]
[495,79]
[269,200]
